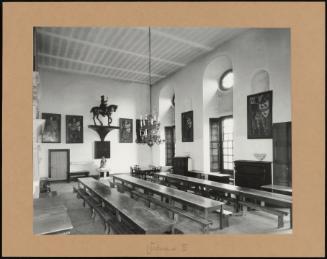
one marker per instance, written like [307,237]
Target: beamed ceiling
[123,53]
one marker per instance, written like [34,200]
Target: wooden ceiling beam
[93,74]
[111,48]
[99,65]
[178,39]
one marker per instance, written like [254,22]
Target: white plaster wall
[216,103]
[73,94]
[255,49]
[166,115]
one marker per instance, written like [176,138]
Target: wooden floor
[252,222]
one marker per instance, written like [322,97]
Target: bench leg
[205,229]
[92,213]
[221,215]
[280,221]
[291,217]
[106,228]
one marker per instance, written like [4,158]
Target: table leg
[206,214]
[237,206]
[118,216]
[221,214]
[171,214]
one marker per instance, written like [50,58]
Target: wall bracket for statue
[102,130]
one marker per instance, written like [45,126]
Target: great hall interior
[160,130]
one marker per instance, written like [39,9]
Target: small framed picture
[52,128]
[74,129]
[259,115]
[125,130]
[187,126]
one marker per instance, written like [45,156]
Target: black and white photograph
[212,153]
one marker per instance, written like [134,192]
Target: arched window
[226,80]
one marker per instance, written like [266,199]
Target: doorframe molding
[68,161]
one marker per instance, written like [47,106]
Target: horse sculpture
[104,111]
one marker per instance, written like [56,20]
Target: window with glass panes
[221,144]
[170,144]
[227,139]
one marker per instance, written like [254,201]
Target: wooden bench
[95,207]
[78,174]
[176,211]
[110,216]
[280,214]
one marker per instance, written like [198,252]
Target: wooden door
[170,144]
[282,154]
[59,164]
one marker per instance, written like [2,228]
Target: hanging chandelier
[149,124]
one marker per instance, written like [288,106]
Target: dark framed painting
[125,130]
[187,126]
[52,128]
[259,115]
[101,149]
[74,129]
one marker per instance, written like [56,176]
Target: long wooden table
[50,217]
[278,188]
[239,192]
[144,218]
[204,204]
[224,178]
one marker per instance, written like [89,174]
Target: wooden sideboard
[181,165]
[252,174]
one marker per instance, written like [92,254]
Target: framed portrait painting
[259,115]
[101,149]
[125,130]
[74,129]
[52,128]
[187,126]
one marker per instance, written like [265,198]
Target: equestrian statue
[103,110]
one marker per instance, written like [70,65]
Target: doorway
[59,164]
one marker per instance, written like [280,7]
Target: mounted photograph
[166,131]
